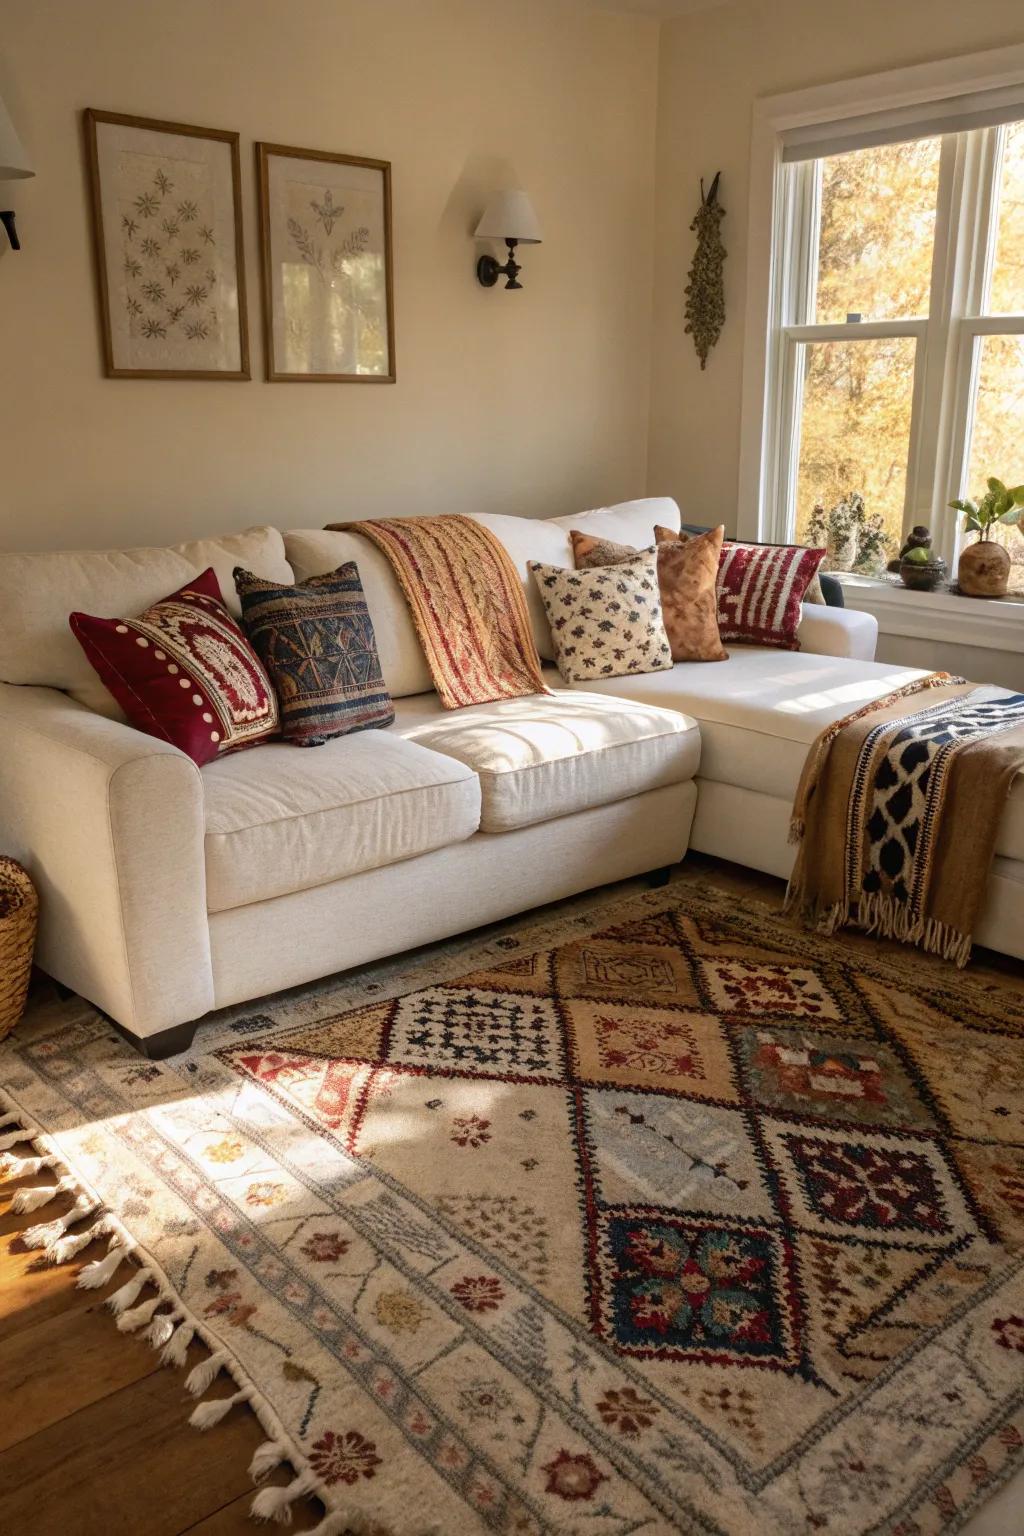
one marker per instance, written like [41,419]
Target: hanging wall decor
[167,223]
[325,244]
[705,292]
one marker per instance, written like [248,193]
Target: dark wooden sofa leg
[659,877]
[167,1042]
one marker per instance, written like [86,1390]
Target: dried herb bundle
[705,292]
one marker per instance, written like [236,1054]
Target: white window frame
[783,218]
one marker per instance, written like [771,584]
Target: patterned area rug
[661,1217]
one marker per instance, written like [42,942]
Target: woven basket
[19,907]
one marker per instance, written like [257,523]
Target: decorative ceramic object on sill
[923,575]
[853,540]
[984,568]
[919,538]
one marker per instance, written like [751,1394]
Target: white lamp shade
[510,216]
[14,163]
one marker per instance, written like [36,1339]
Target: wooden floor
[94,1438]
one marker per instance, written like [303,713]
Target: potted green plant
[853,539]
[984,568]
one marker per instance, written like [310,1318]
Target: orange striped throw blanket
[467,604]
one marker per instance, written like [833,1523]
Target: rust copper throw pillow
[687,572]
[760,589]
[184,671]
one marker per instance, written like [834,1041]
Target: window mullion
[970,242]
[795,306]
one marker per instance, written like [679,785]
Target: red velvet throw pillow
[184,671]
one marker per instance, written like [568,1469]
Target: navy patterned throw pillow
[316,641]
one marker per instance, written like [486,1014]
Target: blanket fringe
[169,1327]
[880,916]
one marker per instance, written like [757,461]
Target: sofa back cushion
[315,551]
[547,541]
[39,590]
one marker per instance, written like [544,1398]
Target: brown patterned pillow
[687,572]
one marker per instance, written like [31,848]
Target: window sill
[994,623]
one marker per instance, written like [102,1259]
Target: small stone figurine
[920,538]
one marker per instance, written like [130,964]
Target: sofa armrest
[838,632]
[109,823]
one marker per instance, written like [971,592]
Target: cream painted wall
[533,402]
[712,66]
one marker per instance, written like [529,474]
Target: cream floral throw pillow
[607,622]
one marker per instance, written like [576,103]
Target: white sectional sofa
[168,891]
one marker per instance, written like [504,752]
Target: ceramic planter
[984,569]
[842,553]
[923,575]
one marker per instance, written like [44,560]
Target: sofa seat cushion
[760,711]
[278,820]
[542,757]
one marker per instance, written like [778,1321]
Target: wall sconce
[510,217]
[14,164]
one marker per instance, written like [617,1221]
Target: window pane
[877,232]
[997,441]
[855,427]
[1007,295]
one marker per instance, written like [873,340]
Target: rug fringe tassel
[175,1349]
[162,1329]
[276,1503]
[11,1139]
[171,1331]
[20,1167]
[206,1415]
[138,1317]
[265,1458]
[129,1293]
[34,1199]
[96,1274]
[201,1377]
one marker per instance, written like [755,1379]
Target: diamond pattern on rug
[629,1045]
[530,974]
[834,1076]
[358,1035]
[870,1185]
[478,1032]
[983,1095]
[620,970]
[677,1288]
[790,991]
[651,1149]
[328,1090]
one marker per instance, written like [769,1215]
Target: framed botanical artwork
[167,222]
[325,246]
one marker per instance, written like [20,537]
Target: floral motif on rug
[667,1220]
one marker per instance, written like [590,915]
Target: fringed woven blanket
[897,812]
[467,604]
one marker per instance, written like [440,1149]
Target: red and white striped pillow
[760,589]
